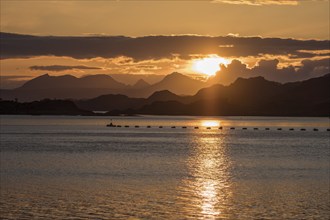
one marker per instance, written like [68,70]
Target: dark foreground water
[75,167]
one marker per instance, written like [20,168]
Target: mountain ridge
[71,87]
[240,98]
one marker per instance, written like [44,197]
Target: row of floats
[220,128]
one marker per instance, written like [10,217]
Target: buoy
[244,128]
[232,128]
[196,127]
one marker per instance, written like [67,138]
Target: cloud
[270,70]
[154,47]
[58,68]
[258,2]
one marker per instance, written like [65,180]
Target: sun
[208,65]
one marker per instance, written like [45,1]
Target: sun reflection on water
[210,123]
[209,184]
[209,198]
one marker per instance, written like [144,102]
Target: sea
[164,167]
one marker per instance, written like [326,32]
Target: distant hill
[70,87]
[63,87]
[245,97]
[175,82]
[250,97]
[140,84]
[122,102]
[110,102]
[46,82]
[44,107]
[179,84]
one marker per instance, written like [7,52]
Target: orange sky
[305,19]
[268,18]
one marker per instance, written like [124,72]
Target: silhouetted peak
[45,75]
[99,79]
[259,80]
[162,94]
[141,83]
[212,89]
[67,76]
[37,79]
[175,75]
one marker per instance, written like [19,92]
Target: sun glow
[209,65]
[210,123]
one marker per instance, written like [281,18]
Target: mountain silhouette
[64,87]
[250,97]
[43,107]
[71,82]
[179,84]
[70,87]
[110,102]
[175,82]
[254,97]
[140,84]
[122,102]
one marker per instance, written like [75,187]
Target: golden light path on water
[209,166]
[210,123]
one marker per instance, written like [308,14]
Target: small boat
[111,124]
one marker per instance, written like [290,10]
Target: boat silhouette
[111,124]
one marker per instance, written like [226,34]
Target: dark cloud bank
[58,68]
[154,47]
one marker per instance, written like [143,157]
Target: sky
[245,24]
[268,18]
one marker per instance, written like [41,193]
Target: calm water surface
[76,167]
